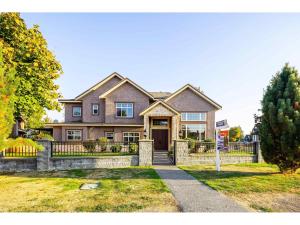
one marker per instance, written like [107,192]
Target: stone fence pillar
[43,157]
[181,151]
[260,159]
[145,152]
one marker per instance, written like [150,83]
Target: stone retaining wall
[64,163]
[17,164]
[193,160]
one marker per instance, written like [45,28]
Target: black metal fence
[93,148]
[232,149]
[20,151]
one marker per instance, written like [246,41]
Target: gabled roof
[126,80]
[196,91]
[160,94]
[69,101]
[153,105]
[93,88]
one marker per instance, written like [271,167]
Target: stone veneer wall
[145,152]
[17,164]
[64,163]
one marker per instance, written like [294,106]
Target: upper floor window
[124,110]
[193,116]
[74,135]
[77,111]
[95,109]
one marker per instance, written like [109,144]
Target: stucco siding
[69,112]
[93,97]
[126,93]
[93,133]
[57,133]
[188,101]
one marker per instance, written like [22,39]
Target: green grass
[121,190]
[259,186]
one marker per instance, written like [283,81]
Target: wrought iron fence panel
[92,148]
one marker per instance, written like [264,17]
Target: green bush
[20,142]
[43,136]
[133,148]
[103,143]
[116,148]
[90,145]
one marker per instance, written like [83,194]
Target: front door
[160,137]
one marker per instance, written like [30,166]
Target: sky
[231,57]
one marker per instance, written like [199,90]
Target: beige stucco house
[122,111]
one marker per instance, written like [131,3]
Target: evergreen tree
[280,126]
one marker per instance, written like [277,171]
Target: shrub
[89,145]
[133,148]
[20,142]
[116,148]
[43,136]
[191,145]
[103,143]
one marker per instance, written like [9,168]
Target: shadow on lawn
[212,174]
[91,174]
[133,173]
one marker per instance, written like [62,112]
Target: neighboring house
[122,111]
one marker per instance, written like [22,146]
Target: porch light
[180,133]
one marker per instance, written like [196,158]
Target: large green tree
[7,90]
[36,68]
[235,134]
[280,126]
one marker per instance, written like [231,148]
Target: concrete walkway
[192,195]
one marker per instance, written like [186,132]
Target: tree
[235,134]
[7,89]
[280,126]
[36,68]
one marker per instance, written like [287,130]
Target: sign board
[221,140]
[222,124]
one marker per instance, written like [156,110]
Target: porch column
[146,126]
[175,128]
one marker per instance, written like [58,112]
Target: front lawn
[258,186]
[121,190]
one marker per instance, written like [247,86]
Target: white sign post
[219,141]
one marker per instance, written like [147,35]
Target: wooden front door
[160,138]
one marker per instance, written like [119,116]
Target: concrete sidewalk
[192,195]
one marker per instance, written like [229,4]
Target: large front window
[74,135]
[124,110]
[193,116]
[131,137]
[194,131]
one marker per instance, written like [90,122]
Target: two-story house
[122,111]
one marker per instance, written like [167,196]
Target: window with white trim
[124,110]
[74,135]
[76,110]
[194,131]
[95,109]
[131,137]
[110,136]
[193,116]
